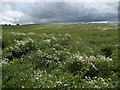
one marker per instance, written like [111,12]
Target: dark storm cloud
[48,12]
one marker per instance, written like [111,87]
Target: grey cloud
[47,12]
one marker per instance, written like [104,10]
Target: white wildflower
[59,82]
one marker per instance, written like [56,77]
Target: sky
[58,12]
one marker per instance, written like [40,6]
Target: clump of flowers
[31,33]
[67,36]
[19,48]
[89,65]
[18,33]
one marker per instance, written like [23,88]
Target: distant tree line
[10,24]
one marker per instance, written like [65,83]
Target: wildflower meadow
[60,55]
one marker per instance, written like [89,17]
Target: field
[60,55]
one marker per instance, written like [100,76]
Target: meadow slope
[57,55]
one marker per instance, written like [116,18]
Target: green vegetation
[57,55]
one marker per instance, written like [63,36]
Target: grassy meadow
[60,55]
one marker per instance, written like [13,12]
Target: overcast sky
[58,12]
